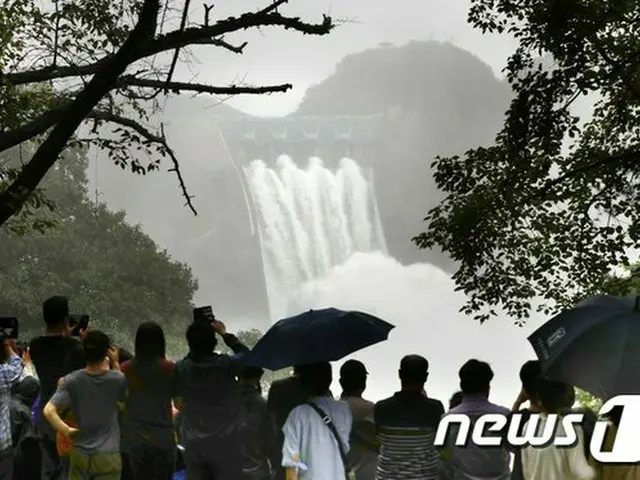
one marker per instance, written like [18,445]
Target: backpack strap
[327,421]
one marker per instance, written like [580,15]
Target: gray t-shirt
[93,399]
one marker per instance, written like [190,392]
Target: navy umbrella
[594,346]
[316,336]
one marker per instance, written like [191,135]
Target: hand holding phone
[78,324]
[203,314]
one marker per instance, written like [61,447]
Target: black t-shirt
[54,356]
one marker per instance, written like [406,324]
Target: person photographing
[210,402]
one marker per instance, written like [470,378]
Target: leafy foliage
[66,64]
[552,206]
[586,400]
[109,269]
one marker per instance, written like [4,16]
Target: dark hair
[552,394]
[414,369]
[475,377]
[316,379]
[353,377]
[150,343]
[55,311]
[529,374]
[95,344]
[201,338]
[456,399]
[251,373]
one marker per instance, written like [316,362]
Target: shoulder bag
[349,474]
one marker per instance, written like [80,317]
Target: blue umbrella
[594,346]
[317,336]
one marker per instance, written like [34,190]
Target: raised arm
[60,400]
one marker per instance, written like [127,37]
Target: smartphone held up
[78,324]
[204,314]
[9,328]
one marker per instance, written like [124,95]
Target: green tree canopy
[552,206]
[109,269]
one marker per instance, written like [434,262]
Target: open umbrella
[594,346]
[317,336]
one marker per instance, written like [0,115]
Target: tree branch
[181,38]
[14,197]
[150,136]
[177,87]
[627,155]
[39,125]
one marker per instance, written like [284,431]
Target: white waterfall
[310,220]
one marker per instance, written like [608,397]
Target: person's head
[251,375]
[552,395]
[55,312]
[316,379]
[201,337]
[529,374]
[353,378]
[455,400]
[414,371]
[475,378]
[150,343]
[96,345]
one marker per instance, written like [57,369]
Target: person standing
[95,395]
[11,368]
[550,462]
[406,424]
[210,403]
[363,452]
[284,395]
[473,462]
[316,433]
[529,375]
[147,428]
[258,436]
[54,355]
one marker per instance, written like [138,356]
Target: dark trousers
[53,467]
[219,459]
[6,464]
[152,463]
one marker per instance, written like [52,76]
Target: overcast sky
[277,56]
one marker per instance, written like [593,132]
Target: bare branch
[176,54]
[178,87]
[161,140]
[220,42]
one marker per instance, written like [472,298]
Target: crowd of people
[81,408]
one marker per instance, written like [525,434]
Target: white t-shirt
[557,463]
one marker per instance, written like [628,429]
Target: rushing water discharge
[310,220]
[323,246]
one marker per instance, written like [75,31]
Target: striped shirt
[406,424]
